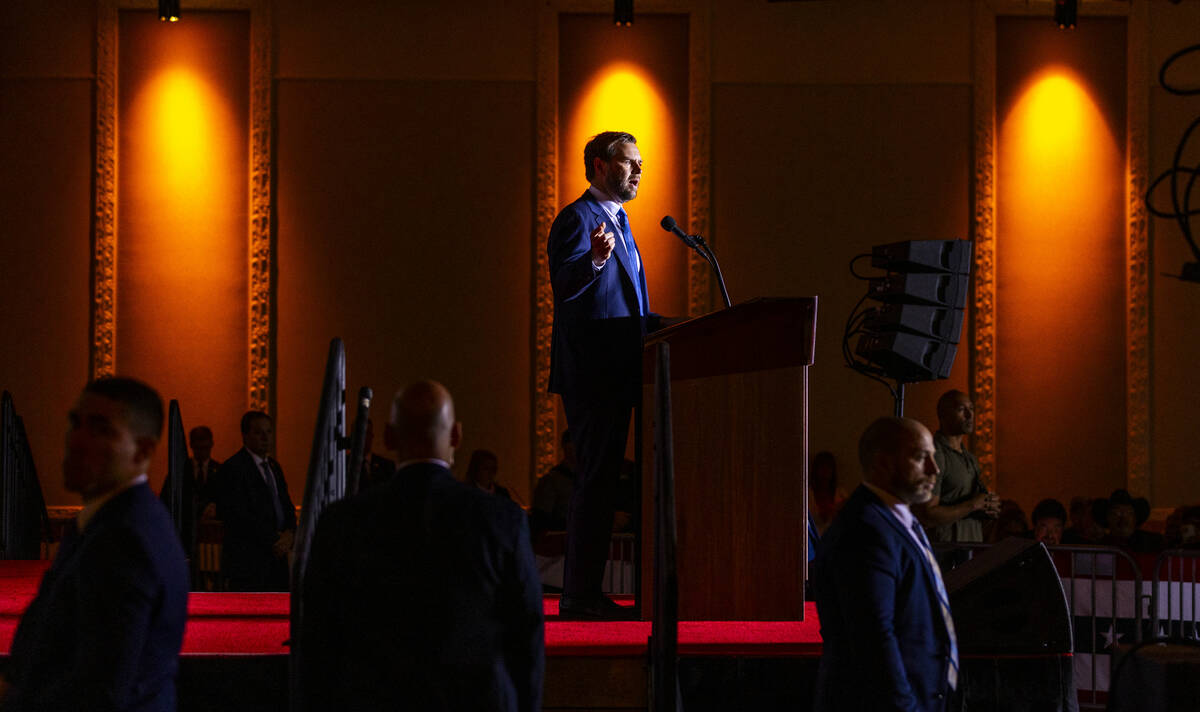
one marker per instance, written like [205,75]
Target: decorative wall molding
[1137,283]
[1137,298]
[103,355]
[982,365]
[260,261]
[545,405]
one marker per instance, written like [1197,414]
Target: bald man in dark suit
[422,592]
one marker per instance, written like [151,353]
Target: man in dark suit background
[885,618]
[601,315]
[422,593]
[198,474]
[257,513]
[105,629]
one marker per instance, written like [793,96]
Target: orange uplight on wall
[187,132]
[623,98]
[1060,187]
[183,212]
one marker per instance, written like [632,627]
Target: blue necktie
[635,259]
[943,603]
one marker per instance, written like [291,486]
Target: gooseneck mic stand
[697,243]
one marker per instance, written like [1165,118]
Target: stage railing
[1174,596]
[1107,599]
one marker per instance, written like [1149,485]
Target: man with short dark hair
[105,629]
[422,593]
[198,474]
[885,615]
[601,315]
[1049,520]
[257,512]
[960,501]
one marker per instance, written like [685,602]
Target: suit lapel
[619,249]
[914,548]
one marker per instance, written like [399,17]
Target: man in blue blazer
[601,315]
[257,513]
[106,626]
[422,593]
[885,619]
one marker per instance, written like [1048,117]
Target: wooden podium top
[756,335]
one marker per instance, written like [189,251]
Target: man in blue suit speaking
[885,617]
[601,314]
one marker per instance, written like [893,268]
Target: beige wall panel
[47,38]
[1176,305]
[879,42]
[45,199]
[416,39]
[405,219]
[807,177]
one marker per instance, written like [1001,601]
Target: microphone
[668,224]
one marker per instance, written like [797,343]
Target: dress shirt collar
[258,461]
[610,206]
[898,509]
[90,508]
[423,461]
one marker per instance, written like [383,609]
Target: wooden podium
[739,399]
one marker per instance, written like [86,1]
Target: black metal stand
[707,253]
[358,441]
[664,630]
[900,399]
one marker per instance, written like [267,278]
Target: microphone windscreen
[668,223]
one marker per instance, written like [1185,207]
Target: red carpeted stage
[235,653]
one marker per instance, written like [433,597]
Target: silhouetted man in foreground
[885,616]
[105,629]
[422,593]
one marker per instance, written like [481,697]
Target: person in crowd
[1010,522]
[1124,528]
[1085,527]
[1049,519]
[482,470]
[552,495]
[105,629]
[886,623]
[960,503]
[197,478]
[1182,530]
[376,469]
[825,498]
[422,594]
[601,316]
[258,514]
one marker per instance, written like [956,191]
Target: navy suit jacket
[596,347]
[885,642]
[105,629]
[248,516]
[422,594]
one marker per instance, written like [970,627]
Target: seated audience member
[106,626]
[552,496]
[1123,525]
[259,518]
[824,495]
[1049,518]
[422,594]
[376,469]
[1085,526]
[482,470]
[1009,523]
[198,475]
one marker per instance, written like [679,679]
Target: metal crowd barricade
[1174,597]
[1106,599]
[618,572]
